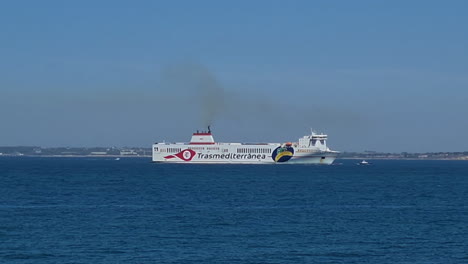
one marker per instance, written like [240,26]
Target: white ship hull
[203,149]
[319,158]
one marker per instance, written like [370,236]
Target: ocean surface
[100,210]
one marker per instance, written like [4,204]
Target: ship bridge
[314,140]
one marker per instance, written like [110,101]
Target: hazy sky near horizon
[374,75]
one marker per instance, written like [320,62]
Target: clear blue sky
[374,75]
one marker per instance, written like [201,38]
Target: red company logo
[186,155]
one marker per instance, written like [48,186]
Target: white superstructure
[310,149]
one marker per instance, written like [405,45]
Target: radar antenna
[209,129]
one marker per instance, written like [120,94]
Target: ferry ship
[202,148]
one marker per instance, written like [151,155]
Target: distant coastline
[138,152]
[405,155]
[34,151]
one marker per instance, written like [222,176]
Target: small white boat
[363,162]
[117,158]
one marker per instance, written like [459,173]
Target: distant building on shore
[128,152]
[98,153]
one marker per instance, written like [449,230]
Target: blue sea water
[84,210]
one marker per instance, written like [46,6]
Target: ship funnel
[202,138]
